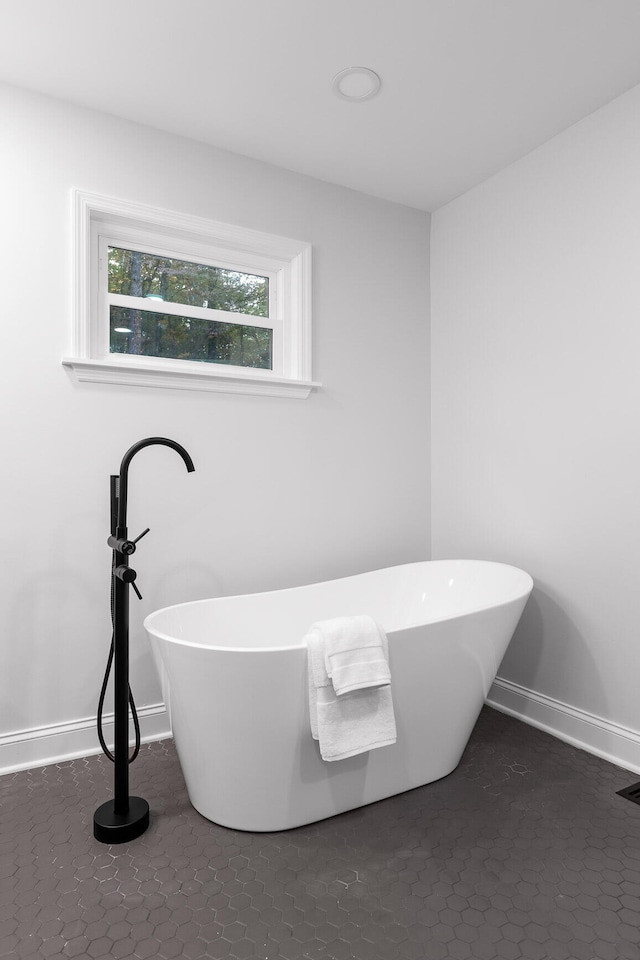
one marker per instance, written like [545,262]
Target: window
[164,299]
[162,306]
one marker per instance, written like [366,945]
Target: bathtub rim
[160,635]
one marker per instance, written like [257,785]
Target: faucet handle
[127,575]
[138,594]
[124,546]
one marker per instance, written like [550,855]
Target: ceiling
[468,86]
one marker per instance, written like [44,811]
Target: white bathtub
[235,683]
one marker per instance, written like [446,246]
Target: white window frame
[103,221]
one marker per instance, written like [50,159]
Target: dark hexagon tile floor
[525,851]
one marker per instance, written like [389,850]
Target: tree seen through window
[150,333]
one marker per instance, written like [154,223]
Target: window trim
[289,261]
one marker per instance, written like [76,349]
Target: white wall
[285,491]
[536,416]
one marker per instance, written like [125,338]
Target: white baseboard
[66,741]
[605,739]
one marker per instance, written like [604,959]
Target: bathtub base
[273,821]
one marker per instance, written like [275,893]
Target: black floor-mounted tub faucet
[123,818]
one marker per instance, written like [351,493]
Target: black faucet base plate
[112,827]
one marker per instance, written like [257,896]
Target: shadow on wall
[549,655]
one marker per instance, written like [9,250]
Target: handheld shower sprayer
[124,818]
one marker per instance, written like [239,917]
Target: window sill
[174,375]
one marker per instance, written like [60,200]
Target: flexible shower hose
[103,691]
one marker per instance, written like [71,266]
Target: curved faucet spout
[124,473]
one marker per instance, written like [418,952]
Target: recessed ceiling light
[356,83]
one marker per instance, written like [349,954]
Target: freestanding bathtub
[234,675]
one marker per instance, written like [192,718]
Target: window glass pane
[148,334]
[136,274]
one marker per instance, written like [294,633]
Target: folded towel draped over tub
[350,705]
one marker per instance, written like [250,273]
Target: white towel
[356,653]
[352,723]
